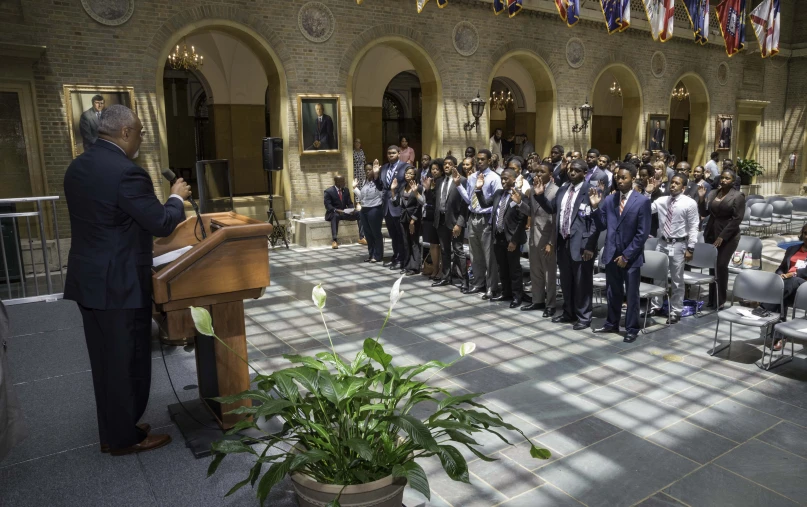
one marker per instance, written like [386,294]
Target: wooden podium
[218,273]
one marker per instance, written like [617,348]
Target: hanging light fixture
[586,110]
[500,101]
[616,89]
[477,109]
[185,60]
[680,93]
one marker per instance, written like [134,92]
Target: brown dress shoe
[143,426]
[362,241]
[334,245]
[148,443]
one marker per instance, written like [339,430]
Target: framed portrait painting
[723,131]
[318,124]
[84,105]
[656,132]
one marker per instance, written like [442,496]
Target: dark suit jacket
[399,169]
[88,126]
[599,176]
[724,217]
[626,232]
[411,207]
[324,133]
[583,231]
[784,267]
[515,222]
[658,135]
[114,215]
[456,208]
[332,201]
[560,178]
[692,189]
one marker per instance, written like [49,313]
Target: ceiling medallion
[109,12]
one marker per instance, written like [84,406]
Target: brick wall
[81,51]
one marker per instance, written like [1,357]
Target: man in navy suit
[576,243]
[323,131]
[393,169]
[595,175]
[337,200]
[625,215]
[114,215]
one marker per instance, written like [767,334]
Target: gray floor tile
[656,389]
[506,476]
[583,433]
[692,442]
[695,398]
[710,378]
[489,379]
[78,477]
[787,436]
[475,494]
[764,464]
[642,416]
[542,405]
[661,500]
[551,364]
[603,474]
[713,485]
[29,318]
[773,407]
[733,420]
[544,496]
[792,391]
[608,396]
[47,354]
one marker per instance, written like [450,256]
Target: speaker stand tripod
[279,232]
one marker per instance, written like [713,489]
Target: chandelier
[680,94]
[184,60]
[616,89]
[500,101]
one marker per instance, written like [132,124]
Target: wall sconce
[585,114]
[477,109]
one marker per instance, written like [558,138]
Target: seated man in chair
[337,200]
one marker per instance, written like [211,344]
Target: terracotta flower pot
[386,492]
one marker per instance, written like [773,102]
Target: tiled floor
[657,422]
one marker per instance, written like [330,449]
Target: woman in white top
[407,154]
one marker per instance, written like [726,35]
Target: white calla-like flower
[396,293]
[318,296]
[467,348]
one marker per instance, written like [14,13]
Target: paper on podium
[170,256]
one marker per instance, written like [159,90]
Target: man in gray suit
[543,259]
[88,126]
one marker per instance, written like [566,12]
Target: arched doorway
[689,120]
[616,126]
[242,78]
[529,81]
[389,67]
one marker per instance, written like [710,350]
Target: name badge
[801,264]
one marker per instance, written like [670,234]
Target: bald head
[121,126]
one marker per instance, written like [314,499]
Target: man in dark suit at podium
[337,200]
[114,214]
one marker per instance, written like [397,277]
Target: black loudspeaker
[272,154]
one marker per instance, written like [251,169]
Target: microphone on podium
[172,178]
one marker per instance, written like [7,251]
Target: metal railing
[19,291]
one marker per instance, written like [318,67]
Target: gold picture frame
[653,144]
[78,100]
[318,138]
[724,129]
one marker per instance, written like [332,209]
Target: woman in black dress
[430,184]
[725,207]
[410,199]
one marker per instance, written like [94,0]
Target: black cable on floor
[162,353]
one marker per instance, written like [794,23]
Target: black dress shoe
[652,313]
[487,295]
[533,306]
[515,303]
[394,267]
[441,283]
[580,326]
[367,260]
[502,297]
[412,272]
[562,319]
[526,298]
[387,264]
[606,329]
[630,337]
[672,319]
[549,312]
[464,289]
[475,290]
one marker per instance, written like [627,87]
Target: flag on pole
[422,3]
[569,11]
[731,17]
[661,17]
[513,6]
[698,12]
[652,8]
[617,15]
[765,20]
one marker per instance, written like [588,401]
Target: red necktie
[339,191]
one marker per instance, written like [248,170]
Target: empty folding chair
[755,196]
[599,277]
[751,202]
[650,244]
[656,267]
[752,245]
[745,225]
[761,218]
[794,330]
[782,215]
[704,257]
[773,199]
[759,286]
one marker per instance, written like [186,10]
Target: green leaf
[330,387]
[242,425]
[272,476]
[461,437]
[375,351]
[360,447]
[479,455]
[375,406]
[427,366]
[232,447]
[243,410]
[305,458]
[244,395]
[202,321]
[416,430]
[273,407]
[285,386]
[214,465]
[456,400]
[539,453]
[306,360]
[329,357]
[238,486]
[334,503]
[306,377]
[453,463]
[357,362]
[415,475]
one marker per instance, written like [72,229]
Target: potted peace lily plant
[348,436]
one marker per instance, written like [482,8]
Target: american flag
[569,11]
[666,20]
[765,20]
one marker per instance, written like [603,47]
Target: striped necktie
[668,222]
[500,215]
[622,203]
[567,214]
[474,199]
[390,174]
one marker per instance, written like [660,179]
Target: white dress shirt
[492,183]
[566,197]
[685,217]
[713,169]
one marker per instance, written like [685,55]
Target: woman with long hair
[410,199]
[725,207]
[430,185]
[372,213]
